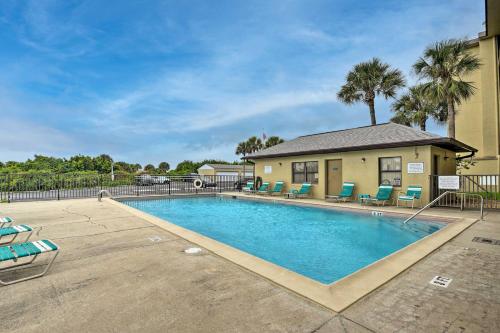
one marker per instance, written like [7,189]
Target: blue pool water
[322,244]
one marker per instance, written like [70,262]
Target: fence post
[8,187]
[58,179]
[169,182]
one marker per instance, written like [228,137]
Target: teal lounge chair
[304,192]
[413,193]
[13,231]
[383,195]
[248,188]
[277,189]
[345,194]
[5,220]
[16,252]
[263,188]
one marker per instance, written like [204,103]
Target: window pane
[312,177]
[390,170]
[312,166]
[298,167]
[390,163]
[298,177]
[390,178]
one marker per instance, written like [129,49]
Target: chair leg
[49,265]
[14,238]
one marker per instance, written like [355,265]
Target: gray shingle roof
[361,138]
[230,166]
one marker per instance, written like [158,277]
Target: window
[390,171]
[305,172]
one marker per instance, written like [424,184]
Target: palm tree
[241,149]
[403,118]
[445,64]
[273,141]
[368,80]
[254,144]
[415,107]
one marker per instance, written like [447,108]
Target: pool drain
[485,240]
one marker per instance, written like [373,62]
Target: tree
[445,64]
[368,80]
[149,168]
[186,167]
[242,148]
[164,166]
[103,163]
[254,144]
[403,118]
[415,107]
[273,141]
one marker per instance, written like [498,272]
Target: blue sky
[151,81]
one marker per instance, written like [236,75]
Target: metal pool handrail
[442,195]
[101,192]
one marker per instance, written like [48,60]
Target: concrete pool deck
[337,295]
[114,274]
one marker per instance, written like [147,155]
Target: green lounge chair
[277,189]
[304,192]
[248,188]
[345,194]
[14,231]
[5,220]
[263,188]
[30,250]
[383,195]
[413,193]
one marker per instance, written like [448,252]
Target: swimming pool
[322,244]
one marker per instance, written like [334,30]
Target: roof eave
[447,143]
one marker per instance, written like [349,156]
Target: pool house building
[369,156]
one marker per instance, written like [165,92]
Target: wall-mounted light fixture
[416,153]
[363,160]
[445,156]
[280,163]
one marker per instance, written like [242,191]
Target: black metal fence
[26,187]
[474,187]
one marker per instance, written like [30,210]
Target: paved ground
[110,277]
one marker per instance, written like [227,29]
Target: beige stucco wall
[477,119]
[364,174]
[206,172]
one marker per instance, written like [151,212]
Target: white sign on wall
[417,167]
[268,169]
[449,182]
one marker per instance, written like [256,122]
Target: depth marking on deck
[441,281]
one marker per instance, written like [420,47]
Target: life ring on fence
[258,182]
[197,183]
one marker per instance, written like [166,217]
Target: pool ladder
[442,195]
[101,193]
